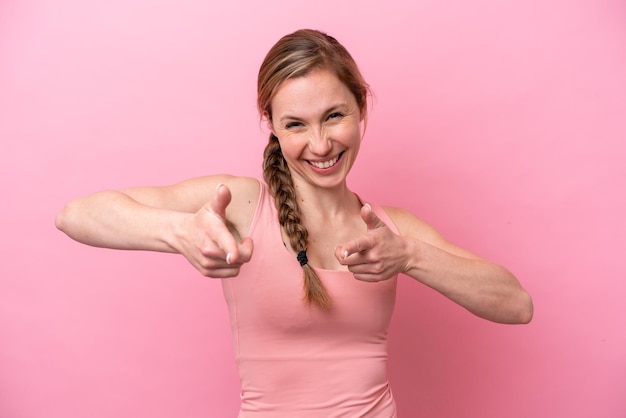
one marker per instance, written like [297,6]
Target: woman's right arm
[191,218]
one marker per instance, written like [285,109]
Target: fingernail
[228,258]
[217,189]
[368,206]
[345,254]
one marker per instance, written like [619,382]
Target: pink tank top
[295,360]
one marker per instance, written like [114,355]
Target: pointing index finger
[358,245]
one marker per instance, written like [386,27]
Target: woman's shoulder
[246,188]
[191,194]
[244,196]
[411,225]
[244,191]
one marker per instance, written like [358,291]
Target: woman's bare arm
[484,288]
[191,218]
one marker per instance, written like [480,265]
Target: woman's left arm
[486,289]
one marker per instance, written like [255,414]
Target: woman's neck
[320,204]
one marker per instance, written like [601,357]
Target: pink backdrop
[501,123]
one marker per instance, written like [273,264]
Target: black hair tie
[302,258]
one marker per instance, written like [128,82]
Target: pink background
[501,123]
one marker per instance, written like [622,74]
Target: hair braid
[278,178]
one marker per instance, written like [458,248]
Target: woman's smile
[324,165]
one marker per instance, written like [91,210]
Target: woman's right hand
[209,242]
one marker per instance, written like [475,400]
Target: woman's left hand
[377,255]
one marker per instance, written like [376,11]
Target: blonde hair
[296,55]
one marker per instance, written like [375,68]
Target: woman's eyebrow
[325,112]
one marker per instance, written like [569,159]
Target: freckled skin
[316,119]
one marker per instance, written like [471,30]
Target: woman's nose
[319,142]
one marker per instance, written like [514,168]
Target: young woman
[309,269]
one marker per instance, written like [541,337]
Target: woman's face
[317,122]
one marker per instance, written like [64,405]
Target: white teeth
[325,164]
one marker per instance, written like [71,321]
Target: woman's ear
[268,120]
[363,124]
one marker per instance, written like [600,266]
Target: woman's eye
[335,115]
[292,125]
